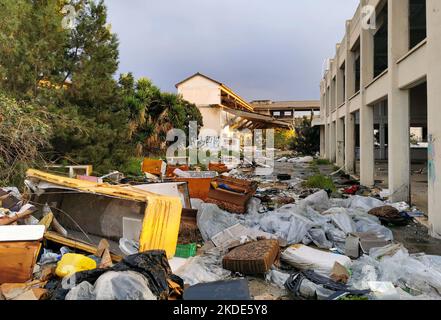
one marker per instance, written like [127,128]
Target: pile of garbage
[182,234]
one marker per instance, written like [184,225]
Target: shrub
[320,181]
[24,132]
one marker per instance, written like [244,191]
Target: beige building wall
[200,91]
[407,68]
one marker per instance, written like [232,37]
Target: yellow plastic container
[72,263]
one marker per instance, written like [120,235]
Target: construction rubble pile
[182,234]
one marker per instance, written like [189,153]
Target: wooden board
[17,260]
[54,237]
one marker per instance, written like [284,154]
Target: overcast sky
[261,49]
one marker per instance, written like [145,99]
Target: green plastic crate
[186,250]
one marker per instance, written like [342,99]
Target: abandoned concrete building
[222,109]
[380,101]
[288,111]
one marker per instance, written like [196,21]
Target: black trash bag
[151,264]
[294,283]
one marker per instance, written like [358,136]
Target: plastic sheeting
[212,220]
[288,226]
[203,269]
[127,285]
[365,203]
[418,275]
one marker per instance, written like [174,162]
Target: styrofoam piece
[21,233]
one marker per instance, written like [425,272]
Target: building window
[357,68]
[381,42]
[417,22]
[288,113]
[276,113]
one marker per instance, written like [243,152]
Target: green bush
[320,181]
[322,162]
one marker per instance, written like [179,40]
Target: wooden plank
[17,260]
[55,237]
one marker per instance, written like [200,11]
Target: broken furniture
[218,167]
[198,183]
[19,249]
[97,210]
[231,194]
[252,258]
[155,167]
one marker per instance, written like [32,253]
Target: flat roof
[281,105]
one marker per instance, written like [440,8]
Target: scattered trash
[125,285]
[309,284]
[72,263]
[204,268]
[214,230]
[186,250]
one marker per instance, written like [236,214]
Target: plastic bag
[126,285]
[318,236]
[203,269]
[318,201]
[72,263]
[277,278]
[378,229]
[341,220]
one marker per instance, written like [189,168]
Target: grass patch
[322,162]
[320,181]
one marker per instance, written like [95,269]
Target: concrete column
[322,142]
[349,119]
[434,114]
[366,111]
[398,103]
[382,140]
[340,142]
[350,143]
[332,142]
